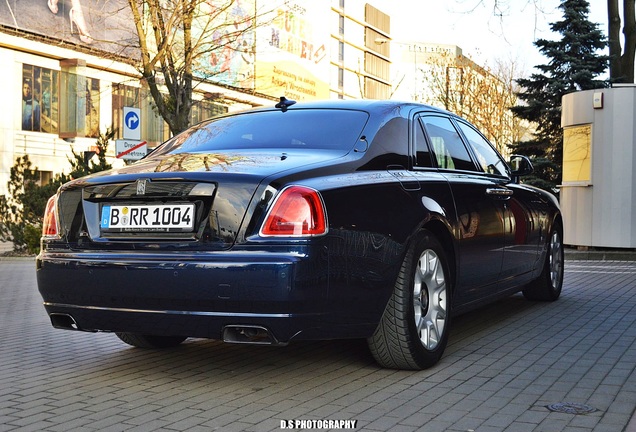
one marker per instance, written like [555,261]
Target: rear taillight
[298,211]
[49,224]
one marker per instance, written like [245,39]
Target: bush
[21,210]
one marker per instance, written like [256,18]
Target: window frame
[471,157]
[416,125]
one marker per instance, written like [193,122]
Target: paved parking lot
[505,364]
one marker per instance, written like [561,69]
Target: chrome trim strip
[172,312]
[499,192]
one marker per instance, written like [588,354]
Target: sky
[483,34]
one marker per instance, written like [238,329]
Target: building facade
[67,76]
[359,68]
[64,88]
[66,80]
[441,75]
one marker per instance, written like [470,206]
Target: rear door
[480,210]
[521,217]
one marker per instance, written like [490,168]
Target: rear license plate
[145,218]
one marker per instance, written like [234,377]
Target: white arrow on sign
[132,121]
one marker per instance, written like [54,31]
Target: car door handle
[499,192]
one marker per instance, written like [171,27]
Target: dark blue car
[338,219]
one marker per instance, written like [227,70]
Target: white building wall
[7,119]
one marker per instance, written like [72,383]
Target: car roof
[370,105]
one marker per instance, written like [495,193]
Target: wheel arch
[443,234]
[558,221]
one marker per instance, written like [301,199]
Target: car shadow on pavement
[203,357]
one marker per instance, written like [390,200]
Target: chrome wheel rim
[556,260]
[429,299]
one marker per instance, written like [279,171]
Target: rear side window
[487,157]
[447,146]
[294,129]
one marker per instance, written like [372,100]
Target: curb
[600,255]
[17,258]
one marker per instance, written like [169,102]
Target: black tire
[413,331]
[150,341]
[547,287]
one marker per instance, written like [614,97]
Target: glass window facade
[40,99]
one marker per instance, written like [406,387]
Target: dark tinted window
[294,129]
[447,146]
[422,152]
[487,157]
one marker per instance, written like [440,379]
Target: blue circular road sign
[131,120]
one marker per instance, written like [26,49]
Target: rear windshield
[294,129]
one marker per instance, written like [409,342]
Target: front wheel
[413,331]
[150,341]
[547,287]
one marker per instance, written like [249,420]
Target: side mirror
[520,166]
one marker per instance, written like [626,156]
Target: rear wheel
[413,331]
[150,341]
[547,287]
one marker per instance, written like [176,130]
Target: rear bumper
[197,295]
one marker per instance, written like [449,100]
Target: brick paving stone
[383,423]
[401,428]
[505,362]
[521,427]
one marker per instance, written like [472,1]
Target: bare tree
[482,95]
[622,55]
[622,49]
[178,42]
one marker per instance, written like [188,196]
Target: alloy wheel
[556,260]
[430,299]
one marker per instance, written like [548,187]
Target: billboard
[274,48]
[292,55]
[102,24]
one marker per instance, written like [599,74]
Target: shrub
[22,208]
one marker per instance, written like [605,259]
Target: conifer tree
[22,208]
[573,65]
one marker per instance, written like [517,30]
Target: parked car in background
[339,219]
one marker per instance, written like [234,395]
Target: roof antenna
[284,103]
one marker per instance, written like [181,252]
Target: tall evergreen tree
[573,65]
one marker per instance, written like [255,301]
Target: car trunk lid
[172,202]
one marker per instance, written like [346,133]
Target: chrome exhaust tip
[65,322]
[249,334]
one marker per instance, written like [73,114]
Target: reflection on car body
[338,219]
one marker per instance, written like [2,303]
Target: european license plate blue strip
[105,216]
